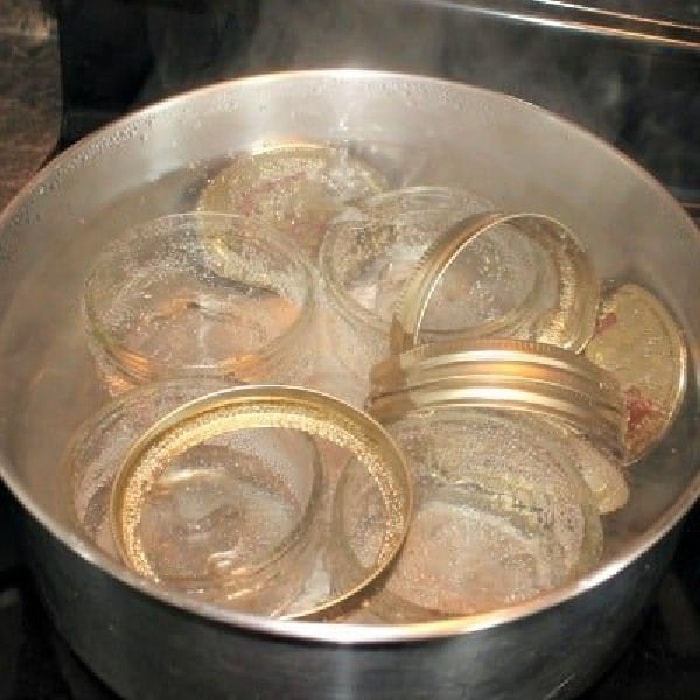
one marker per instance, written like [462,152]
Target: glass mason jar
[201,294]
[500,516]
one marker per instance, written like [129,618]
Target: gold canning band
[502,373]
[602,424]
[248,407]
[570,325]
[505,355]
[638,341]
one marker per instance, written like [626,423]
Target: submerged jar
[232,520]
[201,294]
[369,252]
[501,516]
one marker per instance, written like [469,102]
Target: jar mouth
[487,497]
[406,207]
[202,249]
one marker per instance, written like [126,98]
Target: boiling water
[43,345]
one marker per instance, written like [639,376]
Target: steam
[578,77]
[389,35]
[584,77]
[439,39]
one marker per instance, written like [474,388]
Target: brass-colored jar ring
[602,424]
[502,373]
[270,406]
[507,356]
[490,372]
[569,326]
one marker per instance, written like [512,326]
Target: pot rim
[344,634]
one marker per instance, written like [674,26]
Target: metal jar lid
[247,407]
[638,342]
[568,321]
[294,187]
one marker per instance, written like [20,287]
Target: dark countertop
[30,113]
[30,92]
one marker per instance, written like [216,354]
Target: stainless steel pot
[148,644]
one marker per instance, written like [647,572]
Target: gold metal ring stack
[504,374]
[248,407]
[510,375]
